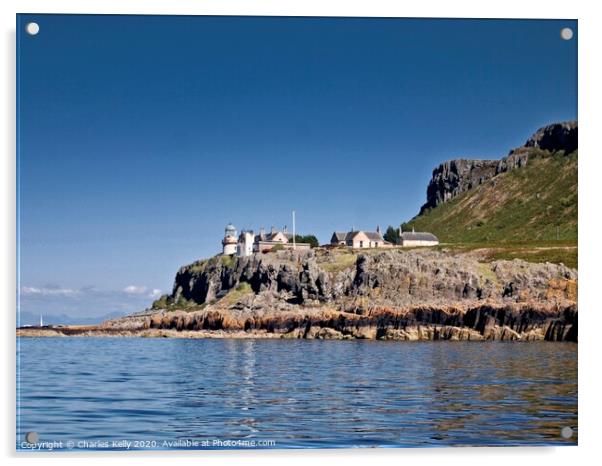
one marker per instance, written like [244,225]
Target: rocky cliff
[555,137]
[455,177]
[395,278]
[394,294]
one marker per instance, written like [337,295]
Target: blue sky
[140,137]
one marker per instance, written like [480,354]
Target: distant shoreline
[97,332]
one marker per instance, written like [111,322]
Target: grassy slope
[529,213]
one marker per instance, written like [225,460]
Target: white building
[245,244]
[417,238]
[359,239]
[248,242]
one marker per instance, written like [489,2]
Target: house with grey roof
[417,238]
[359,239]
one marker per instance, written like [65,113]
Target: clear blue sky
[142,136]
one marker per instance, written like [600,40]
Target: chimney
[400,231]
[272,230]
[285,230]
[261,232]
[378,229]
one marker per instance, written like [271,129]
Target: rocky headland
[395,294]
[444,293]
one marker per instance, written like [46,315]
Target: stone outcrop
[454,177]
[484,322]
[457,176]
[394,294]
[555,137]
[339,294]
[389,277]
[476,322]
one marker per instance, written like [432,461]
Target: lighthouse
[230,240]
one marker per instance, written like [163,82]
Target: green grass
[340,263]
[161,303]
[555,252]
[166,302]
[236,294]
[533,204]
[566,256]
[198,267]
[228,261]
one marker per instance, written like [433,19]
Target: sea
[77,393]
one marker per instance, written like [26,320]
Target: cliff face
[394,278]
[394,294]
[558,136]
[455,177]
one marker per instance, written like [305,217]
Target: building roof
[418,236]
[339,235]
[372,235]
[285,233]
[270,236]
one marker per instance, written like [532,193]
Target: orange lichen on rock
[561,289]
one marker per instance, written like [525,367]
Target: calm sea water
[169,393]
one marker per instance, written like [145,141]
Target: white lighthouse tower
[230,240]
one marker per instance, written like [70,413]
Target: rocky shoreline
[410,295]
[482,323]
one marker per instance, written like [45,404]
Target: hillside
[525,203]
[537,203]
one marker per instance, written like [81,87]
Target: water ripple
[298,393]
